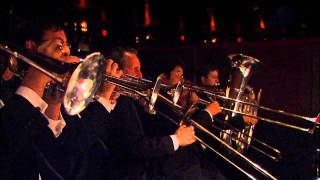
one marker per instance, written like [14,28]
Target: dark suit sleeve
[20,122]
[237,122]
[203,117]
[127,134]
[97,119]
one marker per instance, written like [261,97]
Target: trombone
[218,94]
[81,87]
[90,74]
[268,120]
[186,119]
[243,66]
[84,82]
[273,153]
[58,71]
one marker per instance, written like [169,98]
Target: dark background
[124,20]
[289,49]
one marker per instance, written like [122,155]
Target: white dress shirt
[56,126]
[106,103]
[33,98]
[1,104]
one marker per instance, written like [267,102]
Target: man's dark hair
[171,62]
[117,55]
[205,70]
[35,29]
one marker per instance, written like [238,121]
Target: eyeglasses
[59,44]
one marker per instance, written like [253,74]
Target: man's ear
[30,44]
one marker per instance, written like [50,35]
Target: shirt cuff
[175,142]
[209,115]
[1,104]
[106,104]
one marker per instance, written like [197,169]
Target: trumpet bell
[84,83]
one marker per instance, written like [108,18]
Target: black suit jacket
[8,88]
[28,146]
[187,163]
[130,148]
[97,120]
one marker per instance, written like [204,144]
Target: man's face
[54,44]
[132,65]
[176,75]
[212,79]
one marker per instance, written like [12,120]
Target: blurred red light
[181,37]
[104,32]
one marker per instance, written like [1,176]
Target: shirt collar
[106,104]
[56,126]
[32,97]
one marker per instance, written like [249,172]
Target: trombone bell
[84,83]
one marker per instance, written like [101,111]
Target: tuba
[243,138]
[242,68]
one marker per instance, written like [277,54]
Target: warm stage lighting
[182,38]
[239,39]
[213,40]
[84,26]
[262,23]
[148,36]
[104,32]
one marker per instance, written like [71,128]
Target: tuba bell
[242,68]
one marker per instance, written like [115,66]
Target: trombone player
[209,78]
[130,149]
[37,141]
[186,163]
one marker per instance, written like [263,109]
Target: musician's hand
[71,59]
[250,120]
[185,135]
[7,74]
[194,98]
[107,88]
[53,94]
[213,108]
